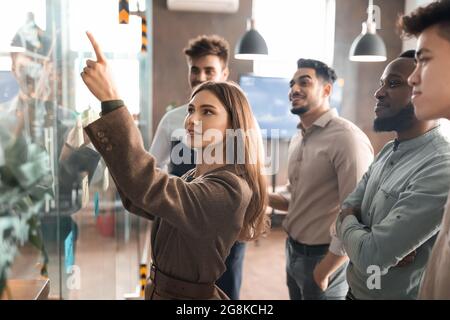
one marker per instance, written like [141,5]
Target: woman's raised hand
[97,75]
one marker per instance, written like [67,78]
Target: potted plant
[25,185]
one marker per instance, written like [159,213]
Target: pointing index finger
[98,52]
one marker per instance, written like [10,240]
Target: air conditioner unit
[225,6]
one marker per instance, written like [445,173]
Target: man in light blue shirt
[389,223]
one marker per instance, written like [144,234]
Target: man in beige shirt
[431,98]
[326,161]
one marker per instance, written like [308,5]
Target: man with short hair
[326,160]
[388,224]
[431,98]
[207,59]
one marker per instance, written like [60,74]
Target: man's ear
[327,89]
[226,73]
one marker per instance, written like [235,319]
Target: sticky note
[96,209]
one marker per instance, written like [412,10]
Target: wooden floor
[264,276]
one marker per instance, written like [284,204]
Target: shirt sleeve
[161,144]
[111,105]
[414,218]
[352,160]
[354,200]
[336,246]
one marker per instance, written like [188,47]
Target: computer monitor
[268,97]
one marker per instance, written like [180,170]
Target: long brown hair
[256,222]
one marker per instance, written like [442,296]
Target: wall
[171,33]
[361,79]
[411,5]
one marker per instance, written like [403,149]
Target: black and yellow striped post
[143,272]
[124,12]
[144,33]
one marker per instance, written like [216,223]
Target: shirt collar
[322,121]
[418,141]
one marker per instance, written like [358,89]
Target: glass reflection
[60,216]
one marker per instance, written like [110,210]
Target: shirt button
[108,147]
[104,140]
[391,163]
[100,134]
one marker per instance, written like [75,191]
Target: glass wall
[60,216]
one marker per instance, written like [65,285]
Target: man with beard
[326,160]
[388,225]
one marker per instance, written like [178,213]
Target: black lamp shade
[368,47]
[250,46]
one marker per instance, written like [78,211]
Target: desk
[28,289]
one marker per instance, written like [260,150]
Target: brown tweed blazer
[196,223]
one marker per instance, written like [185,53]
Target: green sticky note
[96,209]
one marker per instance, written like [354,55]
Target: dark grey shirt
[402,198]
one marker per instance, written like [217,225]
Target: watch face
[9,88]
